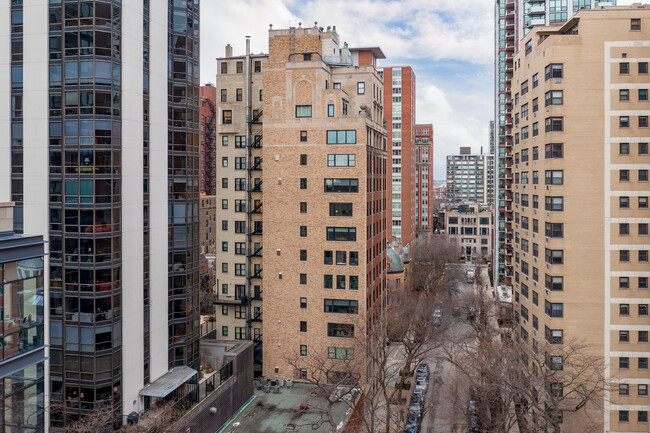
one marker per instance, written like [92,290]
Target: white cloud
[410,32]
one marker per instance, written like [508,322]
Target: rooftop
[272,413]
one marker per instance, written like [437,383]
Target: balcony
[257,275]
[538,10]
[257,253]
[257,165]
[257,209]
[256,317]
[257,187]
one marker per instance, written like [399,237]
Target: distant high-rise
[399,113]
[100,152]
[424,175]
[469,177]
[492,138]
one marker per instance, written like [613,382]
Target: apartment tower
[239,199]
[208,140]
[424,176]
[399,115]
[324,196]
[469,177]
[581,200]
[100,153]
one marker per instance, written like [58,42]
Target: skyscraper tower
[103,161]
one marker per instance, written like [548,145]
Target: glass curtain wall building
[101,157]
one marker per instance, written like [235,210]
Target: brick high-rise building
[580,184]
[424,176]
[208,140]
[324,197]
[399,113]
[239,199]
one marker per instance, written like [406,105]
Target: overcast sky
[449,44]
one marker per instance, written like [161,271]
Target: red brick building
[424,176]
[208,140]
[399,113]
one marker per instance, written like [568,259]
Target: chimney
[228,51]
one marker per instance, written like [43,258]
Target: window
[554,230]
[554,70]
[341,209]
[224,203]
[341,257]
[258,66]
[623,283]
[554,150]
[624,309]
[624,121]
[623,416]
[303,350]
[303,303]
[554,257]
[303,110]
[224,94]
[239,94]
[303,136]
[643,256]
[361,88]
[224,331]
[535,80]
[240,205]
[340,306]
[303,231]
[328,257]
[224,182]
[643,338]
[524,89]
[240,141]
[303,183]
[553,124]
[240,227]
[330,110]
[624,95]
[624,68]
[554,177]
[224,67]
[643,309]
[306,57]
[554,203]
[642,202]
[623,229]
[342,185]
[341,160]
[342,137]
[643,121]
[624,202]
[624,148]
[303,207]
[303,159]
[348,234]
[354,282]
[303,279]
[635,24]
[643,67]
[554,309]
[643,94]
[535,105]
[341,330]
[643,389]
[226,117]
[240,269]
[554,97]
[554,283]
[642,416]
[224,225]
[643,229]
[224,246]
[328,281]
[529,47]
[623,389]
[303,326]
[643,363]
[623,336]
[623,362]
[240,163]
[624,256]
[340,353]
[340,282]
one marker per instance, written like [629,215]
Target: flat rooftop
[273,413]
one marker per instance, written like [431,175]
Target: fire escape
[254,235]
[210,149]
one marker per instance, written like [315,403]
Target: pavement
[272,413]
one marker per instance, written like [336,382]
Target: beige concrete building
[324,197]
[581,198]
[239,199]
[470,225]
[207,227]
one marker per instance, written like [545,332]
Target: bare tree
[156,420]
[429,258]
[100,420]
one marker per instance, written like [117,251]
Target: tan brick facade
[580,197]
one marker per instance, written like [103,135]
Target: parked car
[471,313]
[412,422]
[474,425]
[421,384]
[418,395]
[472,407]
[412,430]
[422,371]
[415,409]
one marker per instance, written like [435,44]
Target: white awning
[170,381]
